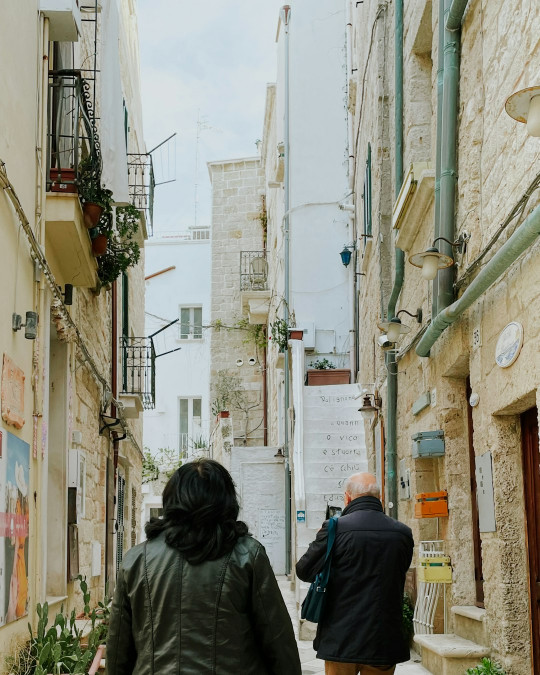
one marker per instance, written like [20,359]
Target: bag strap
[324,574]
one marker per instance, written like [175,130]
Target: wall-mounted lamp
[524,106]
[30,327]
[431,260]
[113,424]
[370,408]
[346,254]
[394,328]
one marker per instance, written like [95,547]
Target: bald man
[360,630]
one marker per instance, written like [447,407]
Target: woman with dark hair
[199,596]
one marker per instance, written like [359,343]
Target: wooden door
[477,543]
[531,482]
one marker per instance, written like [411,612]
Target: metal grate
[72,129]
[139,369]
[253,271]
[142,184]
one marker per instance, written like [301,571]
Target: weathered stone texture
[237,189]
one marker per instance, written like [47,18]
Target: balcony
[254,291]
[142,183]
[72,135]
[138,391]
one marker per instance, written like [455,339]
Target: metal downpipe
[522,238]
[455,15]
[285,17]
[440,71]
[391,365]
[445,295]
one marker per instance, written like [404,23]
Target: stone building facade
[237,352]
[461,382]
[69,485]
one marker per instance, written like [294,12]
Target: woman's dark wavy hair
[200,511]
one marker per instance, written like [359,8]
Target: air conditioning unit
[64,19]
[309,335]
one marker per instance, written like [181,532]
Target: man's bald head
[361,485]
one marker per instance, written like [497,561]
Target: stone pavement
[311,665]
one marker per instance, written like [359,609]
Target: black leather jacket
[223,617]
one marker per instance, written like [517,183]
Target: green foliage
[89,184]
[122,251]
[228,392]
[255,333]
[279,330]
[407,617]
[322,364]
[58,648]
[487,667]
[161,464]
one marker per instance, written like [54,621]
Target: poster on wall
[14,517]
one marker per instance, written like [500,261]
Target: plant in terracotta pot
[122,249]
[323,372]
[96,199]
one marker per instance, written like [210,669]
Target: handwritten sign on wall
[334,446]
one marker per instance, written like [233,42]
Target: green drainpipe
[391,365]
[440,71]
[519,242]
[455,15]
[445,295]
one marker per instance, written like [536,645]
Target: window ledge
[55,599]
[414,200]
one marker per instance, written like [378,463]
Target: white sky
[212,57]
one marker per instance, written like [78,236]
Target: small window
[156,512]
[190,323]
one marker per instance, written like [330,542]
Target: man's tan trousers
[335,668]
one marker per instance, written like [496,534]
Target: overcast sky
[210,58]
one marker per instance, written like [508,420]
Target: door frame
[531,493]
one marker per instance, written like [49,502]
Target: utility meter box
[428,444]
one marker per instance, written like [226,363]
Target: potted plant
[122,250]
[323,372]
[96,199]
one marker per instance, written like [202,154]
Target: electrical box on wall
[404,480]
[77,482]
[428,444]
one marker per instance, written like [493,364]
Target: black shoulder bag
[313,602]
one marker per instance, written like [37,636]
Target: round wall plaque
[509,344]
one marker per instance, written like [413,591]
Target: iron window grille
[139,369]
[253,271]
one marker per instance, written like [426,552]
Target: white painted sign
[260,480]
[334,446]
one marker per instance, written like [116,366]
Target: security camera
[252,361]
[384,342]
[239,362]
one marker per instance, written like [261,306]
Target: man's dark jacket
[222,617]
[362,616]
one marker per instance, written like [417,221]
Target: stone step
[449,654]
[411,668]
[470,623]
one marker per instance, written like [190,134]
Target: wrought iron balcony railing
[253,271]
[139,369]
[72,129]
[142,183]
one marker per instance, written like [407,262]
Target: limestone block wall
[237,189]
[496,163]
